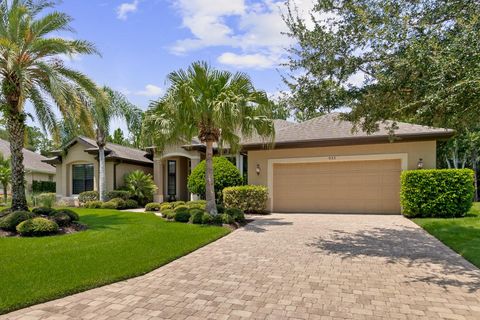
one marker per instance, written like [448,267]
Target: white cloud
[126,8]
[255,30]
[150,91]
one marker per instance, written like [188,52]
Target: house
[35,168]
[319,165]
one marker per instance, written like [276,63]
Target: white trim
[403,157]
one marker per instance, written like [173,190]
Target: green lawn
[118,245]
[460,234]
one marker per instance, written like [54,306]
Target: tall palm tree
[5,176]
[103,110]
[31,70]
[216,106]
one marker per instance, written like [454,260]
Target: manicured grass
[460,234]
[117,246]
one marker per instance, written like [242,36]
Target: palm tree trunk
[16,130]
[209,185]
[5,194]
[102,186]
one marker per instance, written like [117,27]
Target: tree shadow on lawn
[98,221]
[259,226]
[431,261]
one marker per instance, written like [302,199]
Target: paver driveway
[294,266]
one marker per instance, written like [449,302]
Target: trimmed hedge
[44,211]
[182,216]
[152,206]
[12,220]
[43,186]
[246,198]
[442,193]
[225,174]
[93,204]
[86,196]
[122,194]
[37,227]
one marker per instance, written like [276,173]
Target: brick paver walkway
[298,267]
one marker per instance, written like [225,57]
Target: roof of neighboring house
[330,130]
[31,160]
[112,151]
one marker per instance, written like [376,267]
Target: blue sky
[141,41]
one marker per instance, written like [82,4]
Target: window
[172,177]
[82,178]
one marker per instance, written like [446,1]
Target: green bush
[12,220]
[62,219]
[181,208]
[197,204]
[220,209]
[122,194]
[166,206]
[182,216]
[72,214]
[207,218]
[177,203]
[93,204]
[437,193]
[5,211]
[131,204]
[168,214]
[236,214]
[44,211]
[196,216]
[227,219]
[86,196]
[246,198]
[109,205]
[217,219]
[152,206]
[37,227]
[121,204]
[141,186]
[43,186]
[225,174]
[46,199]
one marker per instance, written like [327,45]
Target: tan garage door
[337,187]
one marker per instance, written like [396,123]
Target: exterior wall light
[257,169]
[420,164]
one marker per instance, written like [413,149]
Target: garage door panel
[350,187]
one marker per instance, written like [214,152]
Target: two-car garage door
[337,187]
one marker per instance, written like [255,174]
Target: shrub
[181,208]
[119,202]
[207,218]
[220,209]
[44,211]
[62,219]
[437,193]
[122,194]
[177,204]
[168,214]
[93,204]
[131,204]
[236,214]
[12,220]
[5,211]
[246,198]
[217,219]
[166,206]
[109,205]
[141,186]
[43,186]
[37,227]
[196,216]
[46,199]
[197,204]
[182,216]
[86,196]
[72,214]
[152,206]
[225,174]
[227,219]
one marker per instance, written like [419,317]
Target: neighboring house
[319,165]
[35,168]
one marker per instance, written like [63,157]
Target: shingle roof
[31,160]
[331,128]
[117,151]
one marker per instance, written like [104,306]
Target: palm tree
[216,106]
[31,70]
[103,110]
[5,176]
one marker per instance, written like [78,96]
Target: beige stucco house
[35,168]
[319,165]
